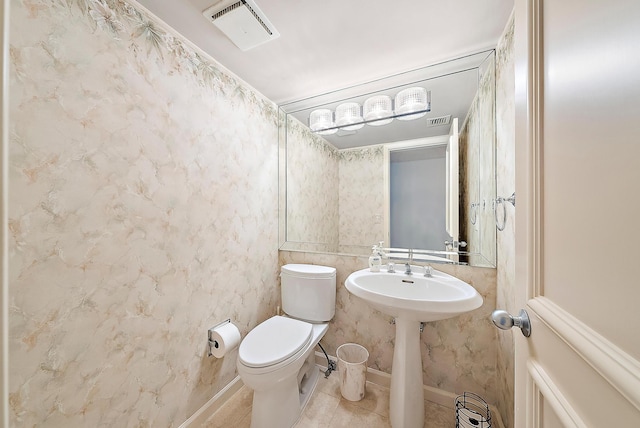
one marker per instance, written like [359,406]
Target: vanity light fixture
[321,122]
[410,100]
[378,110]
[411,103]
[348,113]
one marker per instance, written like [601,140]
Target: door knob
[503,320]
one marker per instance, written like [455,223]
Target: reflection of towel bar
[474,212]
[501,201]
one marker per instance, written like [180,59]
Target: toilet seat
[274,341]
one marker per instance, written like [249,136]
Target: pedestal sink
[411,299]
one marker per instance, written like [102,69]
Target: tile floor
[327,408]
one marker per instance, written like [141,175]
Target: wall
[361,200]
[312,189]
[142,211]
[505,171]
[477,189]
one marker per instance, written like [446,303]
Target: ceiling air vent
[439,121]
[242,22]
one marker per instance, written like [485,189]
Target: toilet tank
[308,292]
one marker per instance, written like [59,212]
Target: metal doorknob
[504,320]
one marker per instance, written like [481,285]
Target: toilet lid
[273,341]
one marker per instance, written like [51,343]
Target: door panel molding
[617,367]
[542,384]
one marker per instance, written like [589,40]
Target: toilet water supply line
[331,365]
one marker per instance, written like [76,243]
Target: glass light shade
[321,119]
[349,113]
[378,107]
[410,100]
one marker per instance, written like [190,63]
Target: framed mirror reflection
[408,160]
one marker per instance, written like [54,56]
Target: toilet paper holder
[214,343]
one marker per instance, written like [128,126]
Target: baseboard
[435,395]
[210,407]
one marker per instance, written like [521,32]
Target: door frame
[440,140]
[532,382]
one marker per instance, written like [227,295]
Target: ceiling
[327,45]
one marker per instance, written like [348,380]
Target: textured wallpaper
[361,201]
[477,190]
[335,198]
[312,189]
[143,210]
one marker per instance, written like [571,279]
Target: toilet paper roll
[224,338]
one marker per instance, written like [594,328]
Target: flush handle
[504,320]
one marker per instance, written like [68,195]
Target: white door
[578,212]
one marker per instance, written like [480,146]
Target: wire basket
[472,411]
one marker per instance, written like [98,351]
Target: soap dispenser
[381,251]
[375,260]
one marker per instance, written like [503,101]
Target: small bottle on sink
[375,260]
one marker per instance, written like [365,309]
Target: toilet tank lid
[309,271]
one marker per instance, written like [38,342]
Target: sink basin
[411,299]
[414,297]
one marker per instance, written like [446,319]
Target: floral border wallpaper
[147,38]
[142,211]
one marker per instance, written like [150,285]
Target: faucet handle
[391,267]
[428,271]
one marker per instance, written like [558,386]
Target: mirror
[341,188]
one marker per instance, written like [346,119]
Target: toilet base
[282,405]
[279,396]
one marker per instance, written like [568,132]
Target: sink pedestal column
[406,404]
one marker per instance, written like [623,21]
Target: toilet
[276,359]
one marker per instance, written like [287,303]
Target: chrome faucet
[407,265]
[407,269]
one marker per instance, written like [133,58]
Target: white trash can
[352,366]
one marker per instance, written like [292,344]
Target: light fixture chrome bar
[393,116]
